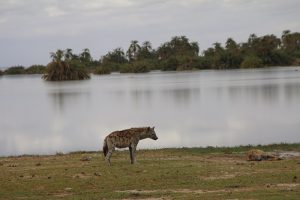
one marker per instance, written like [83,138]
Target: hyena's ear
[153,127]
[148,129]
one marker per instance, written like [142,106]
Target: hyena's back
[123,138]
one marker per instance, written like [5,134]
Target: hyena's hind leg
[109,153]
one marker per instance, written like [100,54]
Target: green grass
[185,173]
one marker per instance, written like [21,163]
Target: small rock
[295,179]
[21,176]
[49,177]
[68,189]
[86,159]
[38,164]
[97,174]
[233,186]
[239,163]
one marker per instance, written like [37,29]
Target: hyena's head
[151,133]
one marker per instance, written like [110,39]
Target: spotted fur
[126,138]
[259,155]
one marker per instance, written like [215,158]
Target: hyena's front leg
[132,154]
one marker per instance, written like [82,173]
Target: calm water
[191,109]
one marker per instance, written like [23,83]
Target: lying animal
[126,138]
[259,155]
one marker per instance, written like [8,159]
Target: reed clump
[64,69]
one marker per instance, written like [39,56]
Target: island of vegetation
[177,54]
[64,68]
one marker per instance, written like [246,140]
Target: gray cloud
[30,29]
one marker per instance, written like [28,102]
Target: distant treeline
[34,69]
[181,54]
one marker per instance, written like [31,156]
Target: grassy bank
[186,173]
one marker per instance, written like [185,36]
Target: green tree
[86,57]
[291,43]
[252,62]
[140,66]
[232,55]
[102,70]
[216,56]
[133,50]
[175,51]
[68,54]
[112,60]
[36,69]
[61,70]
[15,70]
[57,56]
[146,51]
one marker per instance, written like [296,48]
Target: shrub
[112,66]
[251,62]
[281,58]
[136,67]
[102,70]
[15,70]
[296,62]
[170,64]
[188,63]
[36,69]
[62,70]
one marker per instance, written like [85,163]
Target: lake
[188,109]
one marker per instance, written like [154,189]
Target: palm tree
[115,56]
[133,50]
[146,51]
[68,54]
[60,70]
[147,46]
[231,44]
[195,47]
[252,40]
[85,56]
[57,56]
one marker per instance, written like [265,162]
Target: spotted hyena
[259,155]
[126,138]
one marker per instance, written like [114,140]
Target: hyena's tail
[105,148]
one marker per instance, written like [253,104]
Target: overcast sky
[30,29]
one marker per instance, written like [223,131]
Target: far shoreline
[169,71]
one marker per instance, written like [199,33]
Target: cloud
[54,11]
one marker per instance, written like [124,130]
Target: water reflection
[62,98]
[266,92]
[292,92]
[141,95]
[181,96]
